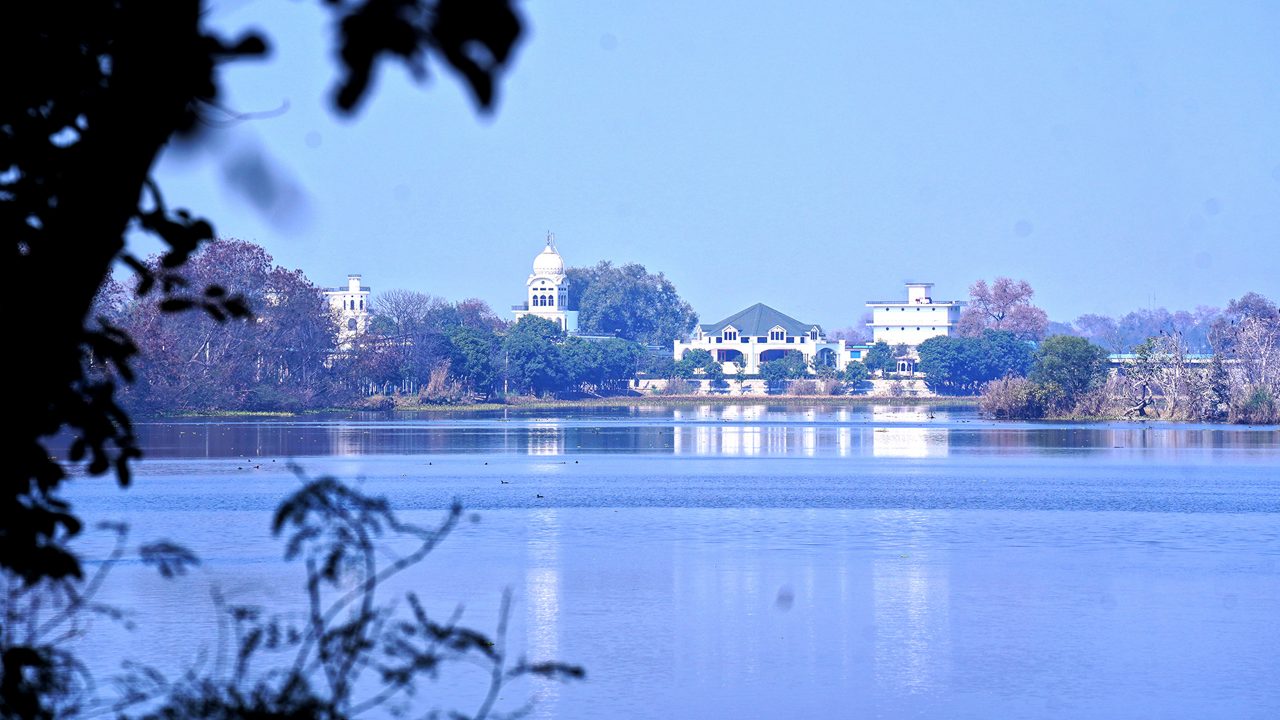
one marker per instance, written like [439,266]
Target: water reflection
[545,440]
[542,594]
[912,600]
[910,443]
[886,431]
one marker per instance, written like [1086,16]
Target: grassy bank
[411,404]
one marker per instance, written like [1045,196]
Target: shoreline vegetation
[412,404]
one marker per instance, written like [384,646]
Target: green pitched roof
[759,319]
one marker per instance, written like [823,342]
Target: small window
[746,340]
[762,339]
[351,324]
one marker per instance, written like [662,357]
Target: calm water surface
[771,562]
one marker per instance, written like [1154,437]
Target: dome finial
[548,263]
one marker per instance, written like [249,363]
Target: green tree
[776,373]
[691,362]
[595,366]
[474,357]
[533,359]
[629,302]
[1068,367]
[715,373]
[657,363]
[880,357]
[855,373]
[963,364]
[619,361]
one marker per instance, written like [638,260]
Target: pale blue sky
[809,155]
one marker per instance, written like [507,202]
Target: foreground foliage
[354,651]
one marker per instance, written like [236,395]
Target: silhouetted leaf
[169,558]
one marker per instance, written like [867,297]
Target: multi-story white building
[350,306]
[917,319]
[760,334]
[548,290]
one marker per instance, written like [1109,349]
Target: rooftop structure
[914,320]
[548,290]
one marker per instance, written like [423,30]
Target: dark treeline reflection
[747,431]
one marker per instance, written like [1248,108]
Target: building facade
[547,290]
[350,306]
[914,320]
[761,334]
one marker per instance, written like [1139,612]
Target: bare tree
[403,312]
[1004,305]
[858,333]
[1101,330]
[1161,378]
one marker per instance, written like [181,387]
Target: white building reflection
[542,596]
[901,442]
[911,598]
[748,440]
[546,440]
[348,439]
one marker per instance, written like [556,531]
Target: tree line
[291,355]
[1238,382]
[1209,364]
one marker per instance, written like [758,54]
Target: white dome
[548,262]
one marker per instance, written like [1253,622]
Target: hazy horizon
[810,157]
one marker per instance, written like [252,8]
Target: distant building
[760,334]
[914,320]
[548,290]
[350,306]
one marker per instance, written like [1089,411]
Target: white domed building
[548,290]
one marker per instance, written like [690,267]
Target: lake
[753,561]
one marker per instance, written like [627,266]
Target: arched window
[551,300]
[362,304]
[351,324]
[352,305]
